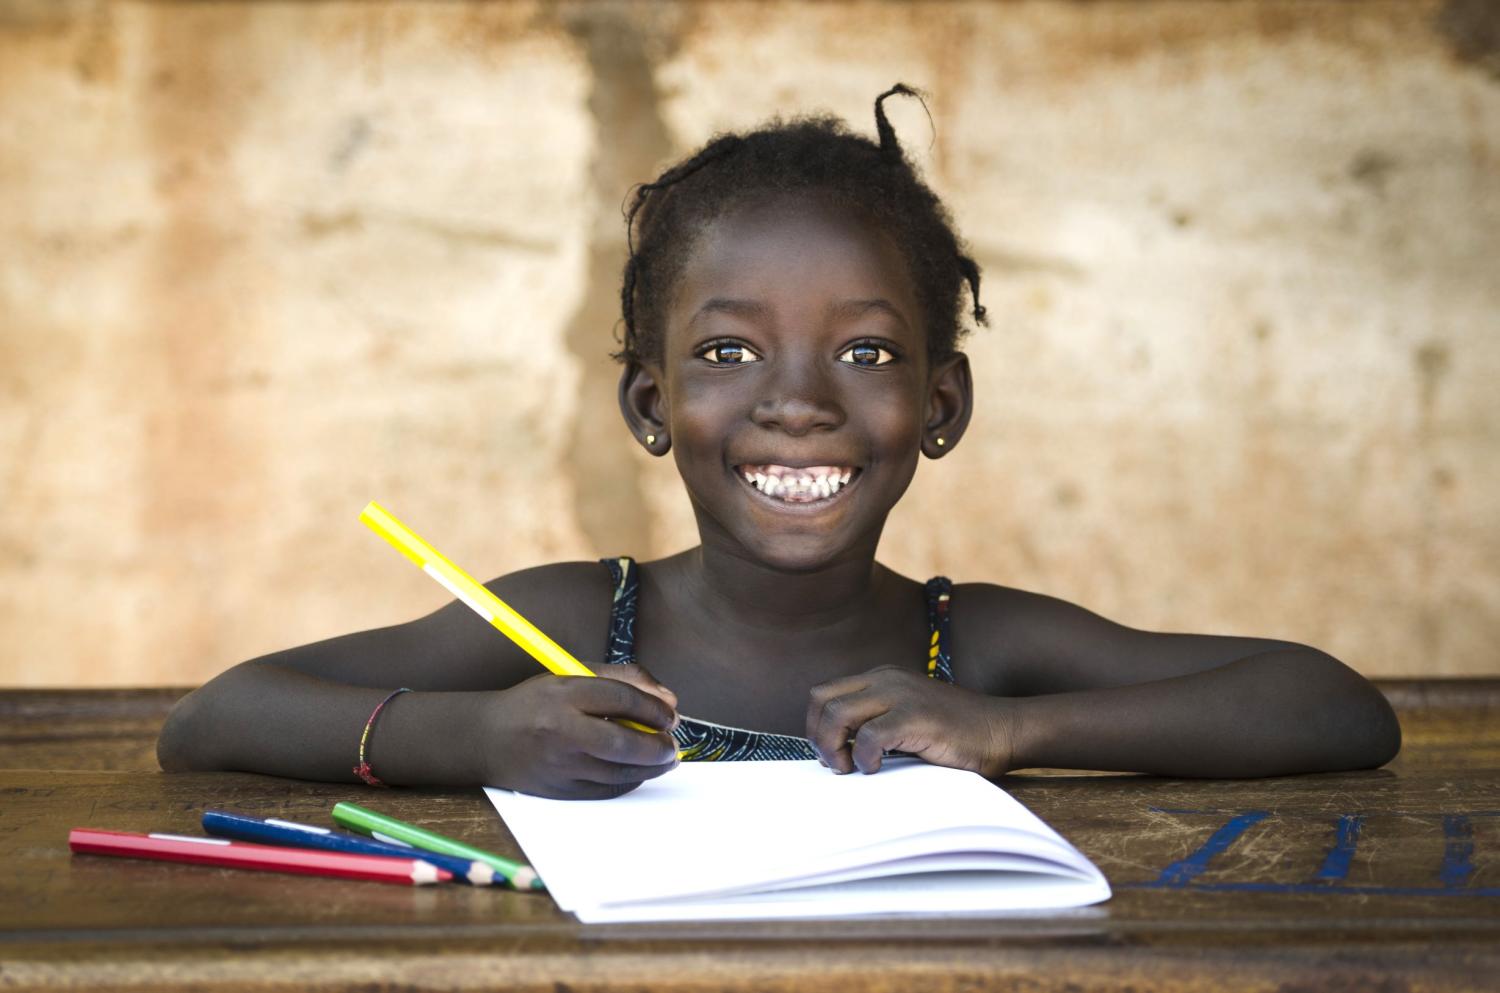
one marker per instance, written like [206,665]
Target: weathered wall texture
[262,262]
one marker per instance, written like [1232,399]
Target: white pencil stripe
[448,584]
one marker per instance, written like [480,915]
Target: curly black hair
[806,155]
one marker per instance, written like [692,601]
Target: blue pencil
[292,834]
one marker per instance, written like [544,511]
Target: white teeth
[796,485]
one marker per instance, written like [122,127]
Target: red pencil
[268,858]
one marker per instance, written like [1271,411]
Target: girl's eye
[728,353]
[866,354]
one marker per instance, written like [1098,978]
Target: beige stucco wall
[260,263]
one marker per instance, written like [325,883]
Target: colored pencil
[497,612]
[267,858]
[383,828]
[273,831]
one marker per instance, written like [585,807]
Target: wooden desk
[1378,881]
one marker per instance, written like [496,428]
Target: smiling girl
[792,305]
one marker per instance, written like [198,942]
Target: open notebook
[729,840]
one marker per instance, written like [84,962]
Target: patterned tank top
[704,741]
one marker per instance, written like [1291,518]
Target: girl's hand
[851,722]
[547,735]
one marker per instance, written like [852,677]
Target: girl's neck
[733,589]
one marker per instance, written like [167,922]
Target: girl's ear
[950,401]
[644,407]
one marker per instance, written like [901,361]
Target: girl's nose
[799,408]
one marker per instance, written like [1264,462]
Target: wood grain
[1382,880]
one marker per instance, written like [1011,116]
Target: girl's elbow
[170,754]
[177,748]
[1371,722]
[1385,730]
[1357,714]
[169,757]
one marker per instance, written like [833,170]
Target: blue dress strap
[620,648]
[939,646]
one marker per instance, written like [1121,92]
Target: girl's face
[794,382]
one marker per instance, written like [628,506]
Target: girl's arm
[1059,686]
[479,712]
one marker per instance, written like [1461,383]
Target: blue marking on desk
[1458,849]
[1346,837]
[1181,873]
[1454,873]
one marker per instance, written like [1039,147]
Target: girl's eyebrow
[858,308]
[735,308]
[750,309]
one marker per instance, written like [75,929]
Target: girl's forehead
[794,253]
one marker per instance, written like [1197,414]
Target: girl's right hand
[547,736]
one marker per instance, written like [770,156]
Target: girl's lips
[790,486]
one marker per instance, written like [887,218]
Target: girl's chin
[790,537]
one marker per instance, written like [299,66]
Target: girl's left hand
[852,722]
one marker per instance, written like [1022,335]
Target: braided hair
[806,155]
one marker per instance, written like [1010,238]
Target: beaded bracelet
[363,770]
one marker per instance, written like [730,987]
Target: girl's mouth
[803,484]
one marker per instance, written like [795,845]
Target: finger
[838,720]
[621,700]
[580,789]
[610,741]
[637,677]
[887,733]
[640,677]
[819,696]
[594,770]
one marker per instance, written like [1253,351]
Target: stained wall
[261,262]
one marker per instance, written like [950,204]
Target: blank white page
[706,830]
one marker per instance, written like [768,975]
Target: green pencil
[384,828]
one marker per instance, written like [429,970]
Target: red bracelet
[363,770]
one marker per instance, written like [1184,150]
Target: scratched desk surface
[1383,880]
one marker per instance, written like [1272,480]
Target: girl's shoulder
[993,604]
[569,601]
[1003,635]
[585,577]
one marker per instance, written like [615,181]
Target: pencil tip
[423,873]
[526,879]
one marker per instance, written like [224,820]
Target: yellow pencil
[484,603]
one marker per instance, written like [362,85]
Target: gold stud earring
[941,443]
[650,439]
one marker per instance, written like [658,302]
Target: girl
[791,314]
